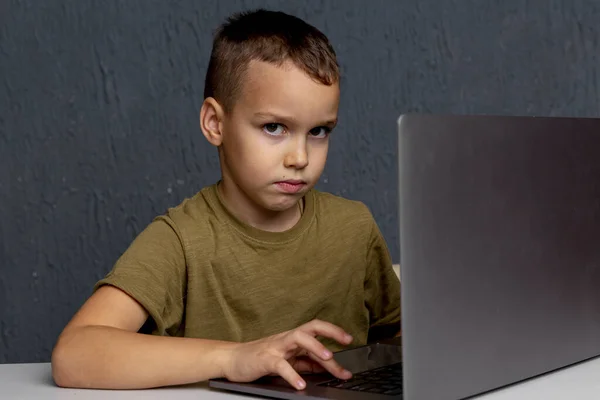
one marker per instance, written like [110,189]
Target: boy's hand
[286,354]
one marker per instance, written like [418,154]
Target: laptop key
[363,388]
[385,380]
[351,384]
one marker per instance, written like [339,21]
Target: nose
[297,155]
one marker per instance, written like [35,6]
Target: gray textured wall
[99,105]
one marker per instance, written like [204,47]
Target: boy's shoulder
[336,206]
[348,218]
[194,206]
[194,210]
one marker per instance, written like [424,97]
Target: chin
[282,206]
[283,202]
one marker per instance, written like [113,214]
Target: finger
[302,344]
[326,329]
[307,365]
[333,367]
[282,368]
[319,353]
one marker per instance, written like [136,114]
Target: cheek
[239,142]
[251,154]
[319,154]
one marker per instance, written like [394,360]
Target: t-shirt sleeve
[382,289]
[153,272]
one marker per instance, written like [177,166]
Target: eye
[320,131]
[273,129]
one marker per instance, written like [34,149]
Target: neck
[244,209]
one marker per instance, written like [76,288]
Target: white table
[33,381]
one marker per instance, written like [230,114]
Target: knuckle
[296,335]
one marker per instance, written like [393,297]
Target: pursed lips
[290,185]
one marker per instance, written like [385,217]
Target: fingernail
[348,337]
[347,373]
[300,384]
[327,354]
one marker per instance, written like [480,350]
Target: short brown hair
[269,36]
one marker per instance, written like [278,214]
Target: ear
[211,117]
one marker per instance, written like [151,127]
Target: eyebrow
[290,120]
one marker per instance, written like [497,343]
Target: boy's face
[275,138]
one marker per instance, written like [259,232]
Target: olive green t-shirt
[201,272]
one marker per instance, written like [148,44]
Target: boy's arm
[101,346]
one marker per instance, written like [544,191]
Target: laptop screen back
[500,249]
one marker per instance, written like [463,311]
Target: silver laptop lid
[500,249]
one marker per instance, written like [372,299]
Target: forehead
[288,89]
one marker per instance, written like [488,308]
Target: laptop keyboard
[384,380]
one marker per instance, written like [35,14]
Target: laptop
[500,261]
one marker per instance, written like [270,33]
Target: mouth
[291,185]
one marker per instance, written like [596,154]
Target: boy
[259,273]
